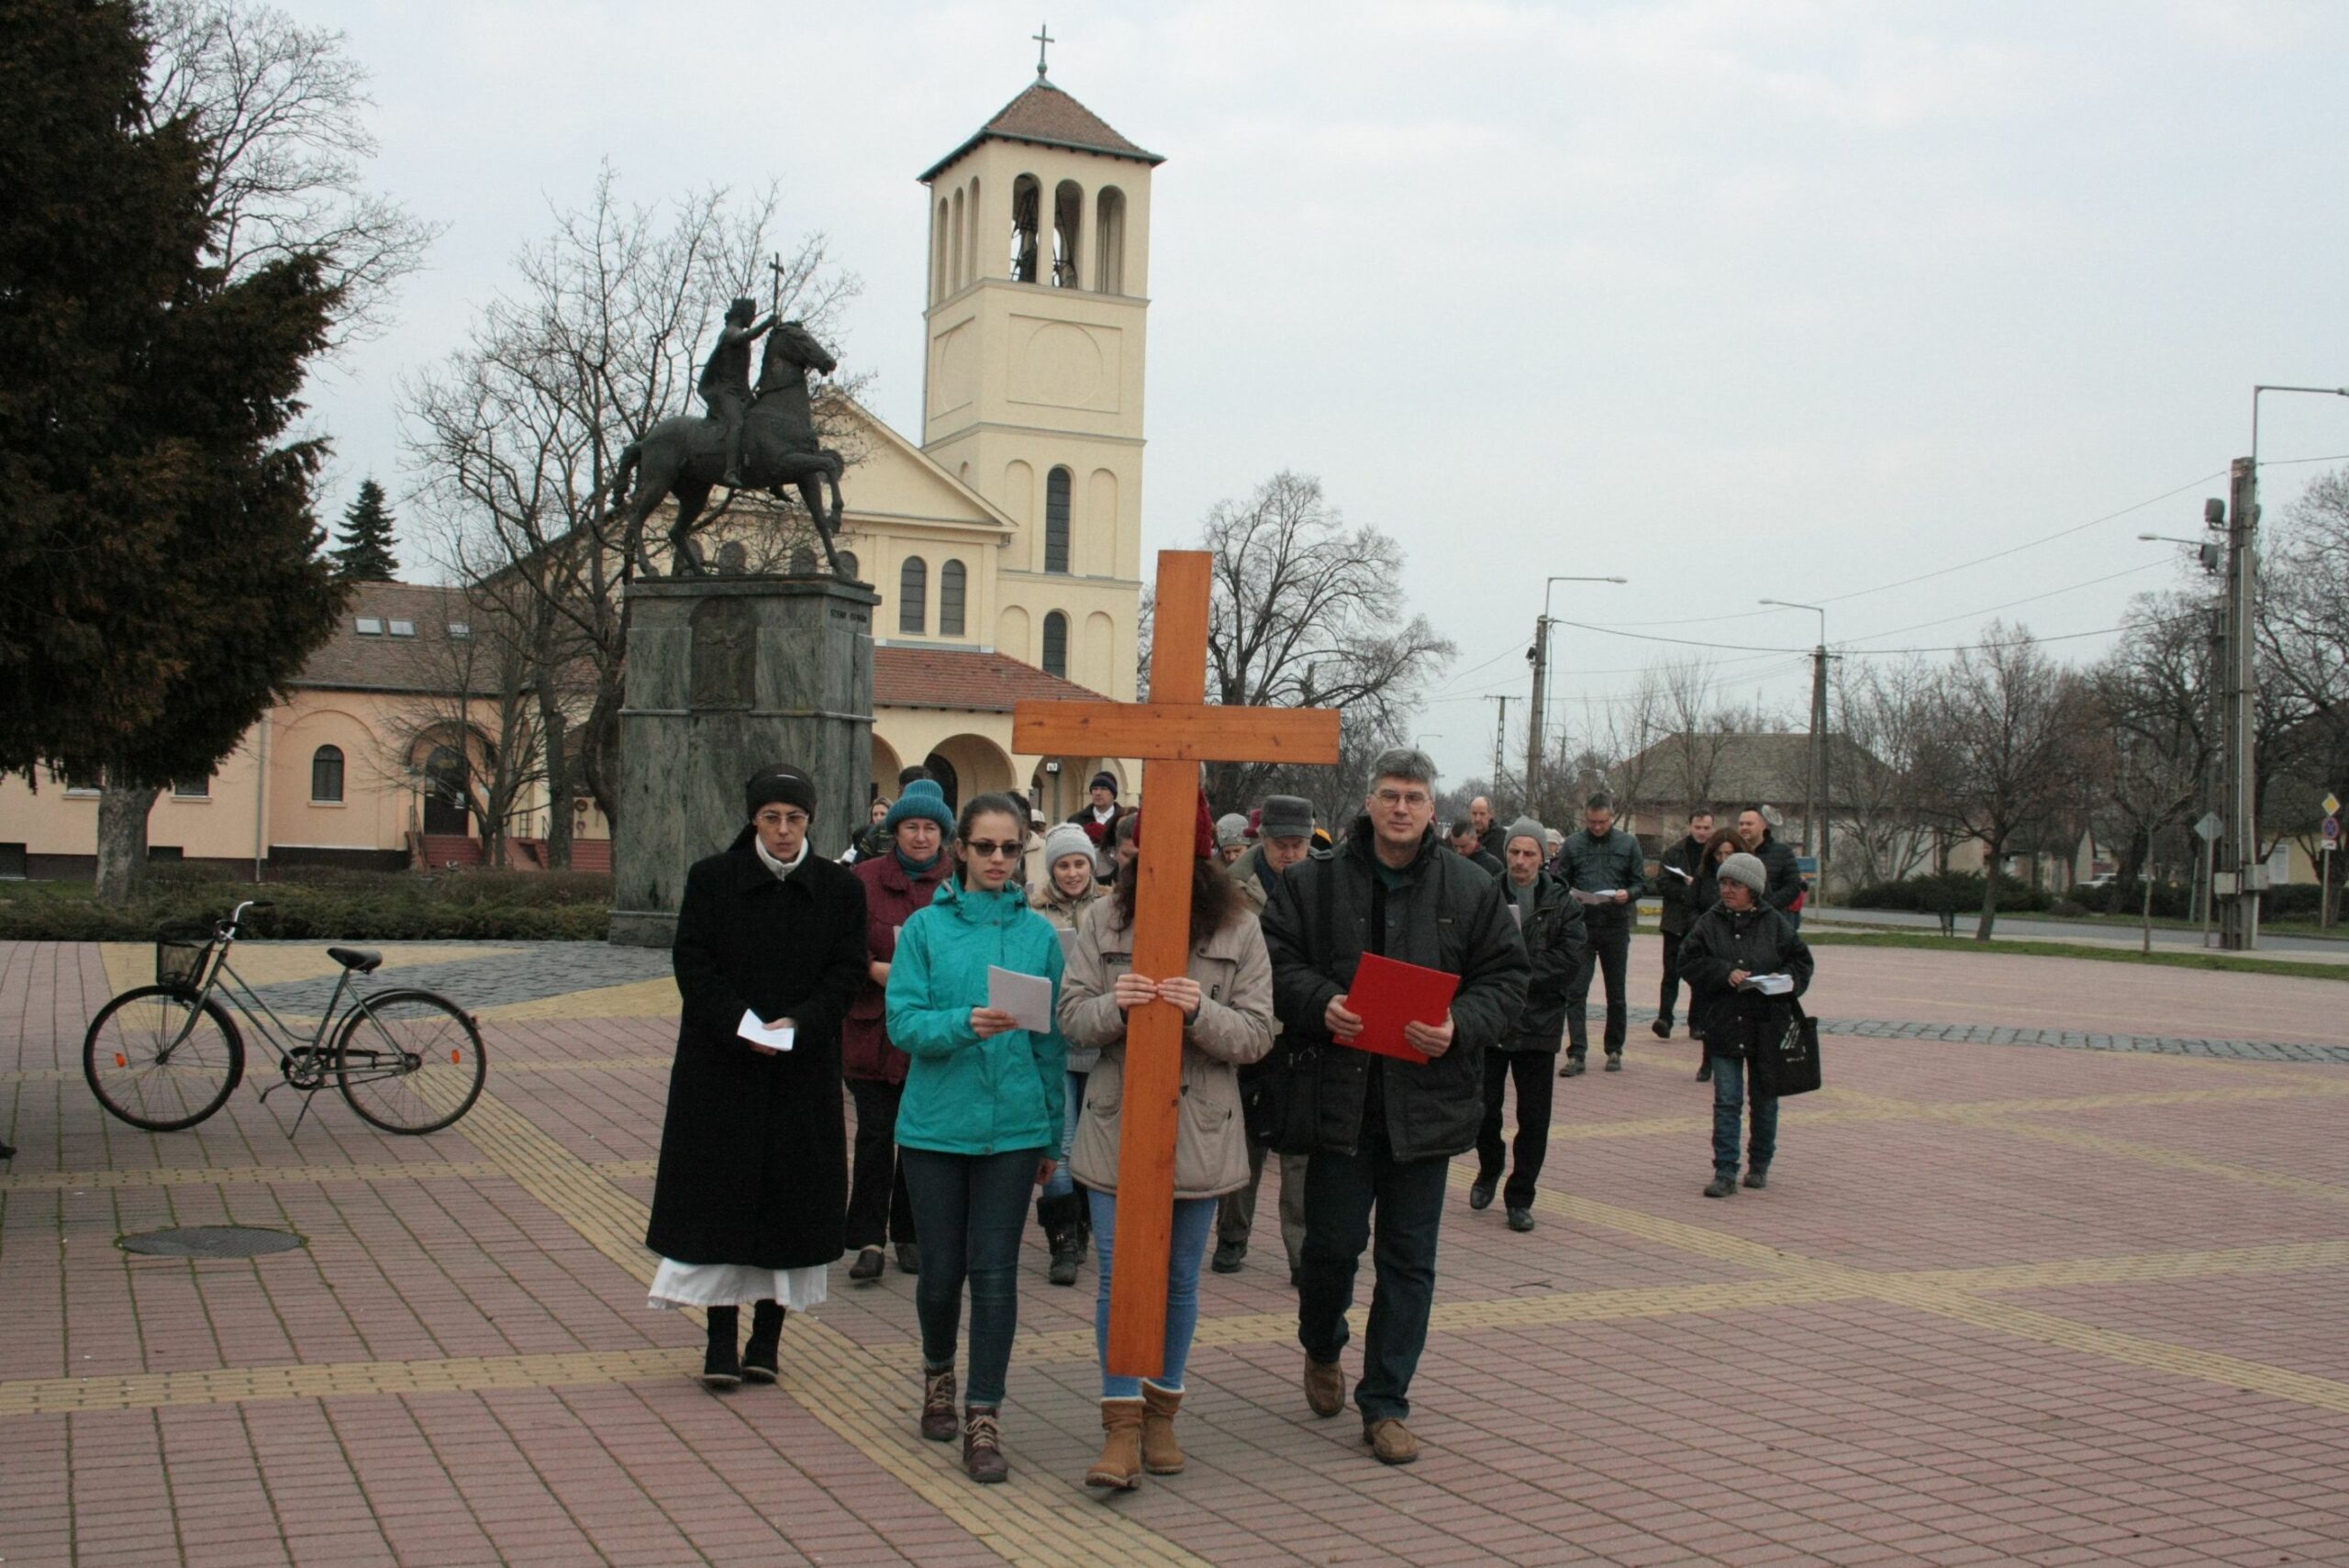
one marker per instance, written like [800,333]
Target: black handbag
[1786,1061]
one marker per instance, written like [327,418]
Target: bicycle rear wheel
[157,1061]
[409,1061]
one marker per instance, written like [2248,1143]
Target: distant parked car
[2103,879]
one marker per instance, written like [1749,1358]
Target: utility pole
[1539,655]
[1500,739]
[2239,875]
[1815,813]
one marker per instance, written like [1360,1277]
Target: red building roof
[1046,116]
[948,677]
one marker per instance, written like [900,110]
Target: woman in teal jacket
[980,1125]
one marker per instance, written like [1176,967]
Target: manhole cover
[212,1241]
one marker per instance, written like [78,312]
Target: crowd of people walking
[965,981]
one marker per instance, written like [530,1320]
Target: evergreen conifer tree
[365,543]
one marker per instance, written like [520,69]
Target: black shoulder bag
[1786,1060]
[1281,1096]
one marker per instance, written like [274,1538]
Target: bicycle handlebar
[230,925]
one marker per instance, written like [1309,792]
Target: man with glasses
[1382,1131]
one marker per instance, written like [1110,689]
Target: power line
[2011,604]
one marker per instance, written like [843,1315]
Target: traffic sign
[2330,829]
[2209,827]
[2332,806]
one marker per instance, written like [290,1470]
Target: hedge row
[327,906]
[1959,891]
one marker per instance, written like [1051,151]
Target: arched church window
[1109,243]
[1068,220]
[913,595]
[1057,644]
[941,282]
[1026,222]
[1056,488]
[325,774]
[957,274]
[952,585]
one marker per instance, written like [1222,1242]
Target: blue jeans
[1072,1101]
[1194,1220]
[1728,1103]
[970,1210]
[1341,1191]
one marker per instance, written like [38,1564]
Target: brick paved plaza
[2002,1302]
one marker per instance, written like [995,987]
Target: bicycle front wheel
[158,1061]
[409,1061]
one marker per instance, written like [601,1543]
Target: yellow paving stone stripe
[2138,1268]
[654,998]
[868,1402]
[226,1385]
[250,1175]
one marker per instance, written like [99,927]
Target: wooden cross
[1173,732]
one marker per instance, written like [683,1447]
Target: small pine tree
[365,539]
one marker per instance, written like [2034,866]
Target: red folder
[1387,995]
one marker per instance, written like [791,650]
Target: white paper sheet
[1604,896]
[1026,997]
[1517,913]
[1770,985]
[757,1033]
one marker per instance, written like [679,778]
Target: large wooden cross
[1173,732]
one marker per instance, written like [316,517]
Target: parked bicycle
[166,1056]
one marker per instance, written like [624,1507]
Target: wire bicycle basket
[180,955]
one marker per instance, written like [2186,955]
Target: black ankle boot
[766,1332]
[721,1367]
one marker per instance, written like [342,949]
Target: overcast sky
[1735,299]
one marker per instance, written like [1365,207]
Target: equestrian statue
[751,439]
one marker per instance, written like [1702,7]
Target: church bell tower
[1038,294]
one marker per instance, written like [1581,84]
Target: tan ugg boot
[1119,1466]
[1161,1454]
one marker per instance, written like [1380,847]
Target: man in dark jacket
[1607,872]
[1734,943]
[1681,870]
[1383,1131]
[1552,924]
[750,1193]
[1785,890]
[1100,818]
[1468,845]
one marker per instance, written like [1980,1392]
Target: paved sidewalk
[1999,1305]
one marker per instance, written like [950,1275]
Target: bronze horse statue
[684,456]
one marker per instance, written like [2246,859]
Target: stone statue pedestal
[726,674]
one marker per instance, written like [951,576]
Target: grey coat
[1595,866]
[1444,914]
[1234,1028]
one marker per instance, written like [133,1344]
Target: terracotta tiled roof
[1049,117]
[947,677]
[428,660]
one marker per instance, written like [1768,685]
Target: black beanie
[779,781]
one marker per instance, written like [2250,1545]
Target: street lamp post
[1539,657]
[1815,807]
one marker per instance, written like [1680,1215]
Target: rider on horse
[725,384]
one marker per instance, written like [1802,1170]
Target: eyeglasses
[783,819]
[987,849]
[1391,798]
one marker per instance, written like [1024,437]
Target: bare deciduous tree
[2003,748]
[1307,612]
[1882,709]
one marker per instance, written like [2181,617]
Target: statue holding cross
[1172,733]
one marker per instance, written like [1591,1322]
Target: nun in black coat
[752,1194]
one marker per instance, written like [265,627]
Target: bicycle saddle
[366,960]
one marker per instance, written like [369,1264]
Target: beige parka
[1234,1028]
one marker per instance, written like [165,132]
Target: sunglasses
[987,849]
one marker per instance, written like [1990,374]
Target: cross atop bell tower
[1039,273]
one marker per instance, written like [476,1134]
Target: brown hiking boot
[938,1423]
[982,1444]
[1161,1454]
[1390,1440]
[1325,1386]
[1119,1466]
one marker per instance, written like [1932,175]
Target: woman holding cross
[1227,1002]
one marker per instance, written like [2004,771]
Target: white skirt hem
[733,1285]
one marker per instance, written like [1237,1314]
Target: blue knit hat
[923,798]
